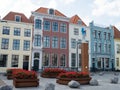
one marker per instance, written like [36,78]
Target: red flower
[24,74]
[53,71]
[73,75]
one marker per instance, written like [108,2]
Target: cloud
[106,7]
[52,4]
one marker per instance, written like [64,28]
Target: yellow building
[117,48]
[15,42]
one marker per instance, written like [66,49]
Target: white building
[75,39]
[15,42]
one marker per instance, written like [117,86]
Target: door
[36,65]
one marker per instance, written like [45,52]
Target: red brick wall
[57,51]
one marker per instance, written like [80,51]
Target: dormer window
[51,11]
[18,18]
[79,22]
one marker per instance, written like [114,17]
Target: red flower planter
[65,81]
[51,72]
[81,77]
[25,82]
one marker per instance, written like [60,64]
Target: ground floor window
[117,62]
[99,63]
[62,60]
[3,60]
[26,62]
[80,59]
[46,59]
[73,59]
[54,59]
[107,62]
[14,61]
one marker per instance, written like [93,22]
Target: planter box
[49,76]
[25,82]
[65,81]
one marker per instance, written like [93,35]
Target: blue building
[101,48]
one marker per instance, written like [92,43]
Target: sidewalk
[104,83]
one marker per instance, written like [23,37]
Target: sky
[102,12]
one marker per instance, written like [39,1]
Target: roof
[11,16]
[116,32]
[74,19]
[45,11]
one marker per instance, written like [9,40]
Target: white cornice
[50,16]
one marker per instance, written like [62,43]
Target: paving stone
[49,86]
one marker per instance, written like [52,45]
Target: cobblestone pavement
[104,83]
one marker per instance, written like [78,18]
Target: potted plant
[81,77]
[52,72]
[25,78]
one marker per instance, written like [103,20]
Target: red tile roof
[74,19]
[45,11]
[116,32]
[11,16]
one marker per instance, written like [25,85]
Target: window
[5,43]
[105,47]
[54,59]
[17,31]
[62,60]
[46,41]
[107,62]
[51,11]
[117,62]
[15,59]
[36,55]
[16,44]
[105,35]
[55,26]
[63,27]
[3,60]
[38,23]
[46,25]
[109,48]
[95,47]
[80,60]
[25,57]
[37,40]
[6,30]
[118,48]
[76,31]
[80,22]
[26,45]
[27,33]
[18,18]
[63,43]
[108,36]
[95,34]
[46,59]
[73,43]
[99,47]
[99,63]
[99,35]
[55,42]
[73,59]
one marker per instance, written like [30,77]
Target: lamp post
[77,54]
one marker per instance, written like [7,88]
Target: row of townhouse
[51,39]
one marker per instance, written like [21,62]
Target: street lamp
[77,54]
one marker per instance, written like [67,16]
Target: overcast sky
[102,12]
